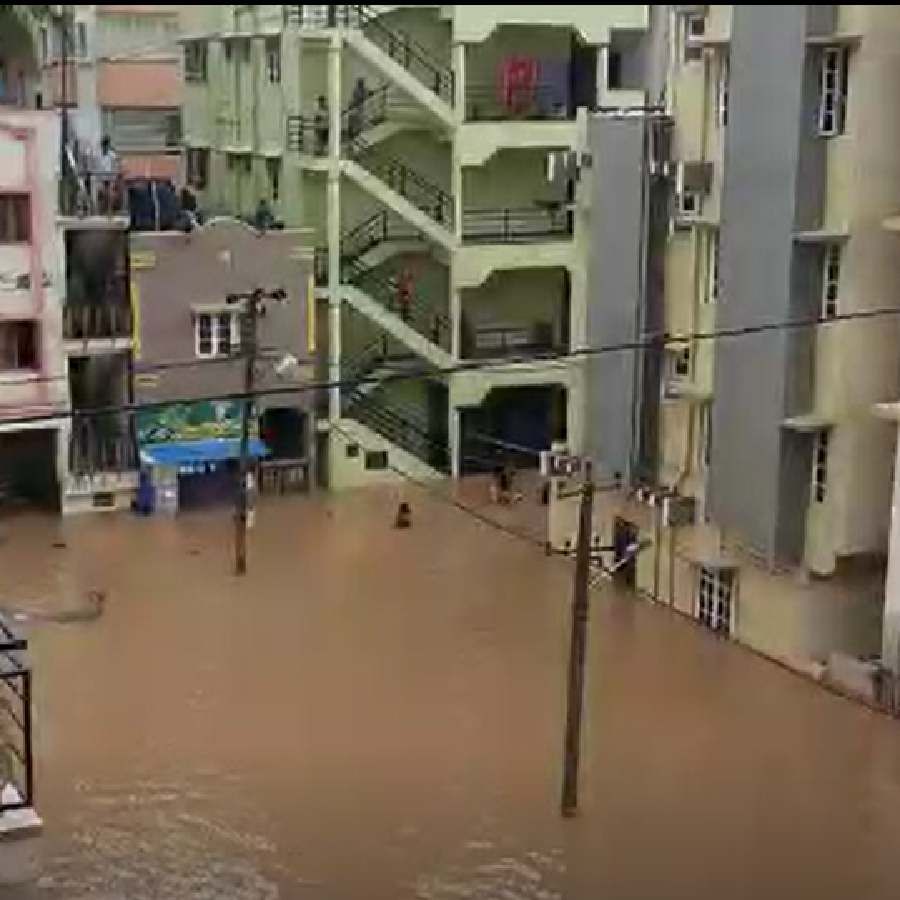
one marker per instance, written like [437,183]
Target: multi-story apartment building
[121,80]
[33,396]
[753,463]
[67,328]
[434,151]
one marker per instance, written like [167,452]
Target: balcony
[92,452]
[499,341]
[509,226]
[540,102]
[96,326]
[88,195]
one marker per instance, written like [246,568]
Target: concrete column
[334,225]
[890,650]
[455,439]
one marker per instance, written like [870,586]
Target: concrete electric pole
[249,319]
[577,648]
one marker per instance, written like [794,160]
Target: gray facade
[625,285]
[773,188]
[179,275]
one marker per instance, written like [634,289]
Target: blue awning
[191,453]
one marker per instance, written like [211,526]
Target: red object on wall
[517,82]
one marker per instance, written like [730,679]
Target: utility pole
[249,319]
[248,331]
[577,648]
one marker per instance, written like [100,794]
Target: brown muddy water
[375,714]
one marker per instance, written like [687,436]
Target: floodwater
[375,714]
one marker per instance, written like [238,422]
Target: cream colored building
[446,233]
[781,166]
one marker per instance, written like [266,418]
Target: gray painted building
[773,191]
[183,281]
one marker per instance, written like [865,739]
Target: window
[376,459]
[18,345]
[694,29]
[722,93]
[273,171]
[195,61]
[197,167]
[830,281]
[712,281]
[820,466]
[690,204]
[246,163]
[80,49]
[273,60]
[833,91]
[714,597]
[228,50]
[681,362]
[15,218]
[45,45]
[217,334]
[245,49]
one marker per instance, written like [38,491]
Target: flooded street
[375,714]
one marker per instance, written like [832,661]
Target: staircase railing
[413,309]
[426,196]
[397,44]
[379,228]
[390,423]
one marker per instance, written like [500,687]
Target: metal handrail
[516,225]
[419,314]
[398,45]
[91,453]
[378,228]
[388,421]
[542,101]
[91,321]
[426,196]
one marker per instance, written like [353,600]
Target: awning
[189,453]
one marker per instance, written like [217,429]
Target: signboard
[198,421]
[143,259]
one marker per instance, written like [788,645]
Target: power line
[538,362]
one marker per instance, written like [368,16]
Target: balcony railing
[538,102]
[91,453]
[85,193]
[17,758]
[510,340]
[509,226]
[83,322]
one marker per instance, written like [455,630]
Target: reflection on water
[377,714]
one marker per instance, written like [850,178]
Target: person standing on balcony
[320,125]
[108,170]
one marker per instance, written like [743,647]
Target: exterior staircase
[403,426]
[402,60]
[423,204]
